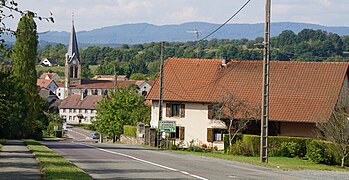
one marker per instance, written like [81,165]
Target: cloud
[188,13]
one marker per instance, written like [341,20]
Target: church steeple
[73,49]
[72,62]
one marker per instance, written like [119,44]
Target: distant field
[60,69]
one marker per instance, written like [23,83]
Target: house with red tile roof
[47,84]
[301,95]
[50,76]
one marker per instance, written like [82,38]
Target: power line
[242,7]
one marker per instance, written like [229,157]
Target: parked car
[95,135]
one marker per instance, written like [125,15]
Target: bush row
[130,130]
[317,151]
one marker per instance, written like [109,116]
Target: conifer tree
[24,60]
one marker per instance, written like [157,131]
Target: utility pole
[161,101]
[265,94]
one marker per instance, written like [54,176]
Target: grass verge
[53,165]
[2,141]
[283,163]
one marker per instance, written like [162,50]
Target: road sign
[167,126]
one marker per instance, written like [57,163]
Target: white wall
[71,118]
[144,87]
[195,122]
[60,93]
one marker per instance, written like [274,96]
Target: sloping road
[119,161]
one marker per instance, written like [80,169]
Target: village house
[47,84]
[301,95]
[50,76]
[48,62]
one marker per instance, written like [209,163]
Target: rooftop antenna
[196,33]
[72,17]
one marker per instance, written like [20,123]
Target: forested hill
[307,45]
[144,33]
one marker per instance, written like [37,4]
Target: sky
[94,14]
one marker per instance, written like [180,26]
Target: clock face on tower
[74,61]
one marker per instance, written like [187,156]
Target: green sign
[167,126]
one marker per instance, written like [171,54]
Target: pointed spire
[73,44]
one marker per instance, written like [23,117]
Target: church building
[80,96]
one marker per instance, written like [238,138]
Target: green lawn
[53,165]
[283,163]
[61,69]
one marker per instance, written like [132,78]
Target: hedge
[317,151]
[130,130]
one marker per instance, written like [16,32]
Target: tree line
[307,45]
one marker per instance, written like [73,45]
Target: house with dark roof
[301,95]
[48,62]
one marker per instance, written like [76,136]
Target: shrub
[321,152]
[290,149]
[130,130]
[277,146]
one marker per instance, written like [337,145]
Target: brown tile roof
[43,83]
[60,84]
[101,84]
[44,75]
[299,91]
[74,102]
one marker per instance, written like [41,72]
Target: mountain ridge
[139,33]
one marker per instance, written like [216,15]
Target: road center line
[145,161]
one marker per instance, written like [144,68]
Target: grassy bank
[53,165]
[2,141]
[283,163]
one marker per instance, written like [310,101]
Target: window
[212,111]
[175,110]
[215,134]
[179,134]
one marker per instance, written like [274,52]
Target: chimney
[224,62]
[83,94]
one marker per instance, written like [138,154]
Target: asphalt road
[120,161]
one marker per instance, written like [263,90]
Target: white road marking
[145,161]
[86,137]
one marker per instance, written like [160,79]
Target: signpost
[167,126]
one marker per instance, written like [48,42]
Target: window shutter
[209,135]
[168,110]
[210,111]
[182,110]
[181,133]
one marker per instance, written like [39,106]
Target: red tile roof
[44,75]
[299,91]
[101,84]
[43,83]
[75,102]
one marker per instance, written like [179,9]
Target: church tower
[72,62]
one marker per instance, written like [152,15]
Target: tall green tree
[122,107]
[24,58]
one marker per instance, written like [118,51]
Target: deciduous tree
[122,107]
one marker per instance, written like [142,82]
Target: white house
[77,109]
[144,87]
[301,95]
[48,62]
